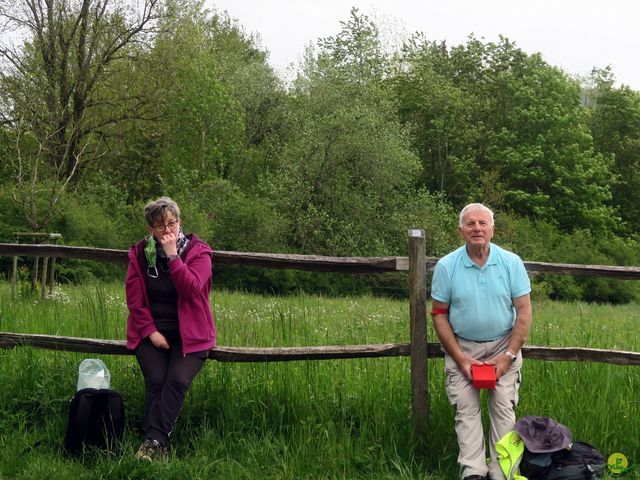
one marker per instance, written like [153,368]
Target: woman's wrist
[172,257]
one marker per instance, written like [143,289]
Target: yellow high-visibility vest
[510,449]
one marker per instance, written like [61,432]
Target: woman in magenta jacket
[170,325]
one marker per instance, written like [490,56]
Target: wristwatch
[511,356]
[172,257]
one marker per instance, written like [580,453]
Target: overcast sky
[575,35]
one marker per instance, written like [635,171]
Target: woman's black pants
[167,377]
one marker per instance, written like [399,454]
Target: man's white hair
[472,207]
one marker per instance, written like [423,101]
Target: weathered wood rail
[327,352]
[417,264]
[309,262]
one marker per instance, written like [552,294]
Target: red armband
[439,311]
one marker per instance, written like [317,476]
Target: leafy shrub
[540,241]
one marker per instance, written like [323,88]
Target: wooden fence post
[418,332]
[48,262]
[43,284]
[14,275]
[52,275]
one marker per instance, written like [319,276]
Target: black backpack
[96,417]
[579,461]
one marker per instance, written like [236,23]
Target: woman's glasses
[164,226]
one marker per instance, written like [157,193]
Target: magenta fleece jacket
[192,279]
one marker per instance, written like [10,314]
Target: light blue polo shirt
[480,299]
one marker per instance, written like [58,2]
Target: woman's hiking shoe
[151,451]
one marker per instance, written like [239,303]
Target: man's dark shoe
[475,477]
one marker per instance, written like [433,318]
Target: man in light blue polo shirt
[482,314]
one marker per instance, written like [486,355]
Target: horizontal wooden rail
[284,354]
[623,273]
[64,251]
[268,260]
[223,354]
[316,263]
[309,262]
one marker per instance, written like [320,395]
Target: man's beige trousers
[466,399]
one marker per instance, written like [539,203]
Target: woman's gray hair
[158,209]
[475,207]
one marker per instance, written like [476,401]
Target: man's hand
[159,341]
[464,364]
[502,363]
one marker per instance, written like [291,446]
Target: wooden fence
[417,264]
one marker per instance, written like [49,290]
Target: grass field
[318,420]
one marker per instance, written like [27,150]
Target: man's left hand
[502,363]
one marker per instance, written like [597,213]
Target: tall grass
[290,420]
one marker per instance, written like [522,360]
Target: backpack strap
[80,409]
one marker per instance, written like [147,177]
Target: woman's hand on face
[169,242]
[159,341]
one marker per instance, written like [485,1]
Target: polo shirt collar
[492,260]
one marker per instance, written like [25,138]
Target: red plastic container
[484,376]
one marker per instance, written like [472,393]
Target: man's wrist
[511,356]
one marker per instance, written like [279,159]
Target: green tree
[615,126]
[498,125]
[53,86]
[441,115]
[347,171]
[216,105]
